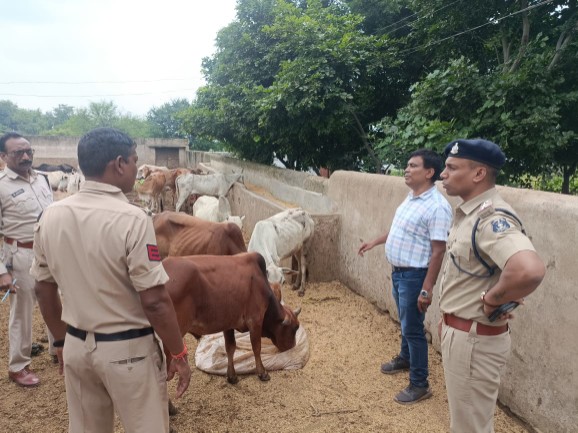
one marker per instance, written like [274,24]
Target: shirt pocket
[461,255]
[26,204]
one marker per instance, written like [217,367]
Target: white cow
[286,234]
[74,181]
[58,180]
[145,170]
[217,184]
[217,210]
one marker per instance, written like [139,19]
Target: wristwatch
[424,294]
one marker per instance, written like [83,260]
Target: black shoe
[396,365]
[37,348]
[412,394]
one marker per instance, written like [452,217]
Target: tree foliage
[297,79]
[69,121]
[164,121]
[513,80]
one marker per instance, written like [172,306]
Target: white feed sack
[211,356]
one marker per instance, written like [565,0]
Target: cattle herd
[217,284]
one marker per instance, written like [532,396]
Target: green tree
[164,121]
[7,116]
[295,79]
[100,114]
[59,115]
[514,82]
[13,118]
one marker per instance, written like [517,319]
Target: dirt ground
[340,389]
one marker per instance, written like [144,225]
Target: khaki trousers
[127,376]
[473,365]
[21,308]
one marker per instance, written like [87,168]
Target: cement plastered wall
[321,255]
[57,150]
[290,186]
[541,379]
[540,384]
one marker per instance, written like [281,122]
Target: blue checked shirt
[418,221]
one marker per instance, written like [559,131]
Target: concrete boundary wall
[542,374]
[57,150]
[325,242]
[291,186]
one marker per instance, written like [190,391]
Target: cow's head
[276,274]
[283,336]
[238,221]
[142,172]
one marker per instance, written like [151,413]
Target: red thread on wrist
[182,354]
[487,303]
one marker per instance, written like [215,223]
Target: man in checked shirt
[415,246]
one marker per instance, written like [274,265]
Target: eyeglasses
[20,153]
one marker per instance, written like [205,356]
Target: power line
[420,18]
[94,82]
[96,96]
[494,21]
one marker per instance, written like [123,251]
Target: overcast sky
[137,53]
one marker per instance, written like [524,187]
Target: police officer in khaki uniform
[101,252]
[490,263]
[24,194]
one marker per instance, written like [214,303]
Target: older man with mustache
[24,194]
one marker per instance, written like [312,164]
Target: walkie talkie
[503,309]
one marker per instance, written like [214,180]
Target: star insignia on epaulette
[486,209]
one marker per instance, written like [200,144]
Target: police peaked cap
[479,150]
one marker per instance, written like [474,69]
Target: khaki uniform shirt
[21,202]
[101,251]
[498,238]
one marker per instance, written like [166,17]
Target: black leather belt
[405,269]
[115,336]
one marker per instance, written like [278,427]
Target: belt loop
[473,332]
[90,342]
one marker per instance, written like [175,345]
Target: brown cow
[150,190]
[171,176]
[227,293]
[179,234]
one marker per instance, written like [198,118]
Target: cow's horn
[287,320]
[296,311]
[289,271]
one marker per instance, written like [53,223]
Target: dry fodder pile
[340,389]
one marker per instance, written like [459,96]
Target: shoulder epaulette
[486,209]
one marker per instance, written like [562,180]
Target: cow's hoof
[233,380]
[172,409]
[265,377]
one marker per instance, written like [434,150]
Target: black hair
[430,159]
[7,137]
[98,147]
